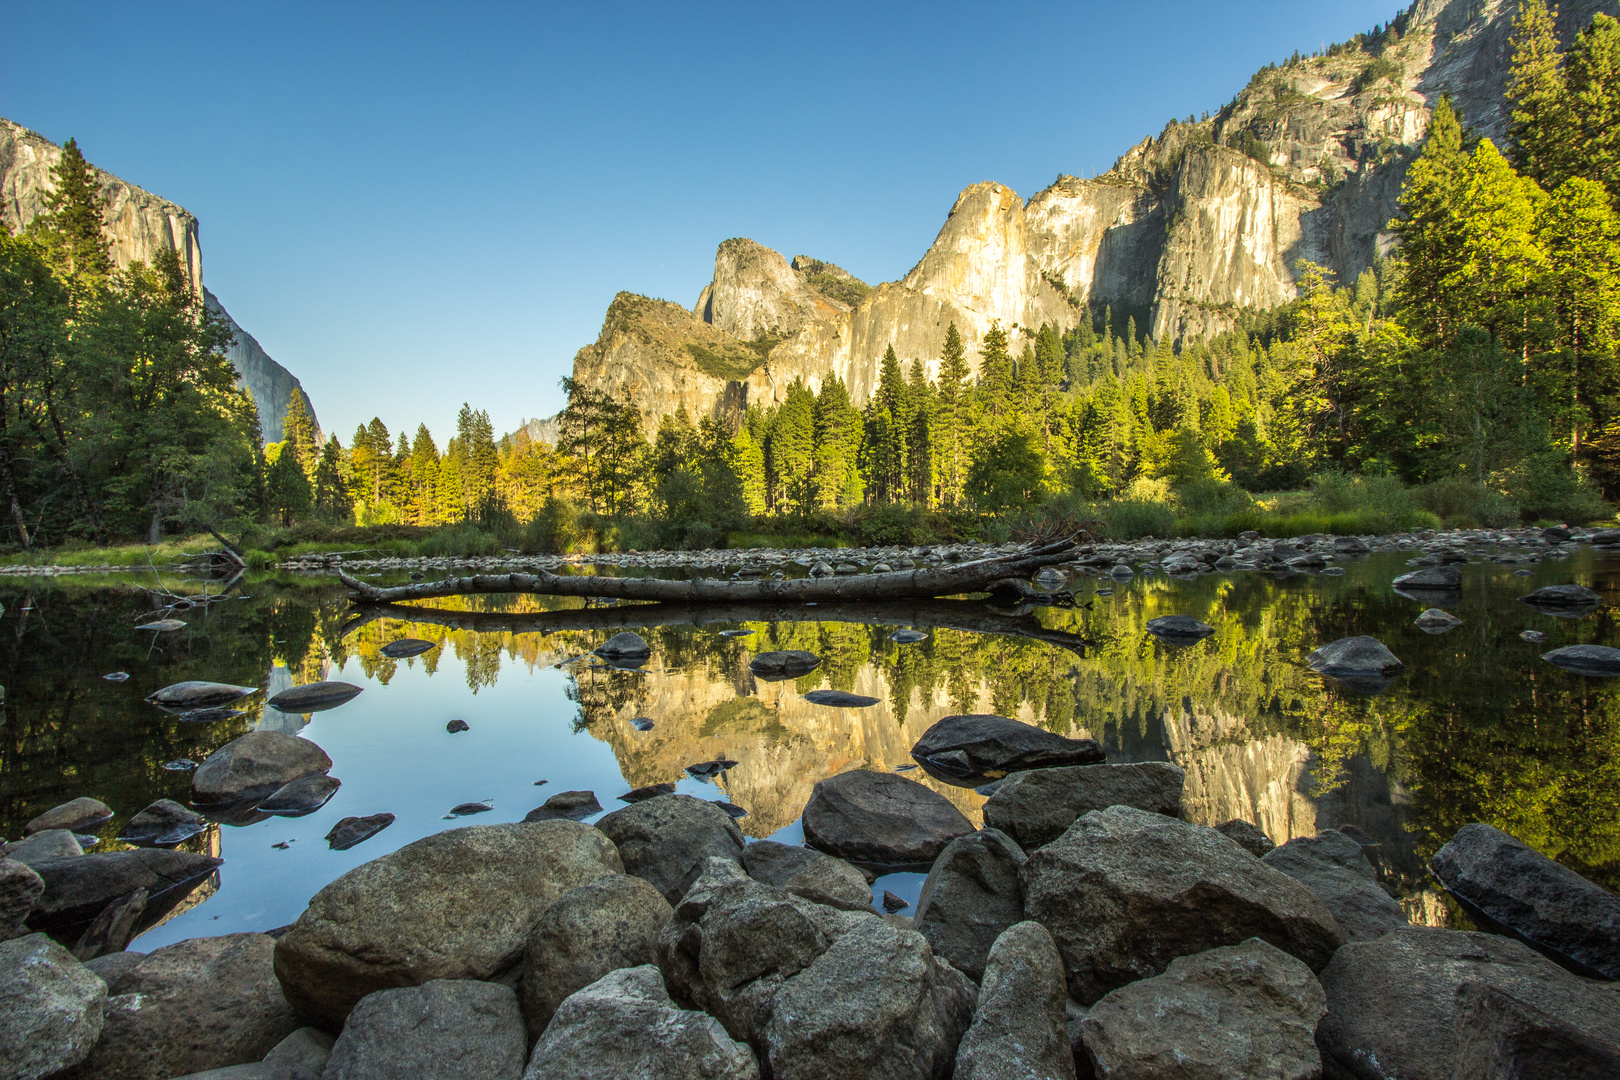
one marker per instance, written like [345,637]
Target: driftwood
[971,616]
[925,584]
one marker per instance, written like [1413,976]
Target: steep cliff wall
[139,225]
[1204,220]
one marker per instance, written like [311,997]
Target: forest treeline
[1476,363]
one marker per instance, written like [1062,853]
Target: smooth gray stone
[302,796]
[1430,577]
[1434,621]
[254,766]
[1179,626]
[77,889]
[971,896]
[315,697]
[569,805]
[1037,807]
[833,882]
[78,816]
[1599,660]
[45,846]
[1354,656]
[198,695]
[665,840]
[880,818]
[52,1008]
[1019,1030]
[838,699]
[624,646]
[402,648]
[350,831]
[977,747]
[1562,596]
[784,665]
[165,822]
[445,1029]
[1332,866]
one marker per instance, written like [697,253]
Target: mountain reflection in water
[1477,728]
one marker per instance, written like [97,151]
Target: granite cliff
[139,224]
[1189,227]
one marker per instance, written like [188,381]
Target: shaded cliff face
[139,225]
[1191,226]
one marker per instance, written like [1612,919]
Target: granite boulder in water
[403,648]
[77,889]
[186,696]
[1430,579]
[355,830]
[1435,621]
[1037,807]
[968,750]
[1562,596]
[255,766]
[571,805]
[163,824]
[1597,660]
[303,796]
[315,697]
[80,815]
[1179,628]
[880,818]
[783,665]
[624,648]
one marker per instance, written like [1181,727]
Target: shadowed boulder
[665,840]
[78,816]
[403,648]
[781,666]
[1332,866]
[1036,808]
[315,697]
[163,824]
[78,889]
[250,768]
[968,750]
[187,696]
[1597,660]
[880,818]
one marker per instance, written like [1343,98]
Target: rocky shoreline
[1082,929]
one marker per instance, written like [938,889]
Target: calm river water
[1477,728]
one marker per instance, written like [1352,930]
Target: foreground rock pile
[1085,929]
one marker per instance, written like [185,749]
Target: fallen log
[970,616]
[923,584]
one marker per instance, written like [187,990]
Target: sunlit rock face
[139,225]
[1205,219]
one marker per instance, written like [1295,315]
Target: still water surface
[1477,728]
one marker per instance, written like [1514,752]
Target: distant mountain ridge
[1187,229]
[139,224]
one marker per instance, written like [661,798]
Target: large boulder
[611,923]
[876,1004]
[44,846]
[665,840]
[775,863]
[1601,661]
[445,1029]
[783,665]
[254,766]
[971,896]
[78,815]
[1501,1037]
[1247,1010]
[20,890]
[969,750]
[1035,808]
[624,1025]
[185,696]
[624,647]
[880,818]
[1392,1003]
[77,889]
[1019,1031]
[1354,657]
[52,1008]
[455,905]
[1125,892]
[1430,579]
[1507,886]
[1562,596]
[204,1003]
[163,824]
[833,882]
[1331,865]
[315,697]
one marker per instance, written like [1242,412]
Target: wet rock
[776,863]
[315,697]
[893,903]
[78,889]
[163,625]
[1501,1037]
[1506,886]
[1124,892]
[781,666]
[44,846]
[624,1025]
[570,805]
[833,882]
[455,727]
[971,896]
[444,1029]
[255,766]
[651,791]
[20,890]
[1019,1031]
[304,796]
[1249,835]
[733,809]
[838,699]
[52,1007]
[1562,596]
[187,696]
[1435,621]
[969,750]
[455,905]
[665,840]
[205,1003]
[880,818]
[1432,578]
[403,648]
[1597,660]
[1392,1003]
[354,830]
[79,816]
[875,1004]
[1332,866]
[1179,628]
[1036,808]
[1246,1010]
[590,931]
[907,637]
[1350,545]
[624,647]
[467,809]
[1354,656]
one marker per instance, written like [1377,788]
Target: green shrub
[1132,519]
[1461,503]
[1547,488]
[1382,503]
[887,524]
[1208,498]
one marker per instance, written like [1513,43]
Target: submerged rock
[52,1007]
[1435,621]
[971,896]
[208,716]
[1507,886]
[624,1025]
[78,816]
[420,913]
[163,625]
[969,750]
[254,766]
[403,648]
[838,699]
[880,818]
[467,809]
[303,796]
[1354,656]
[571,805]
[1179,628]
[1562,596]
[1597,660]
[454,1029]
[1125,892]
[163,824]
[781,666]
[1332,866]
[198,695]
[1036,808]
[1246,1010]
[455,727]
[625,647]
[315,697]
[354,830]
[666,840]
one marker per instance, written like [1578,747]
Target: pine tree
[1538,129]
[330,493]
[996,374]
[749,459]
[1501,261]
[72,226]
[287,492]
[1591,137]
[298,430]
[920,466]
[838,429]
[791,447]
[1581,236]
[889,424]
[1430,228]
[953,376]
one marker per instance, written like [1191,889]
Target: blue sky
[413,205]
